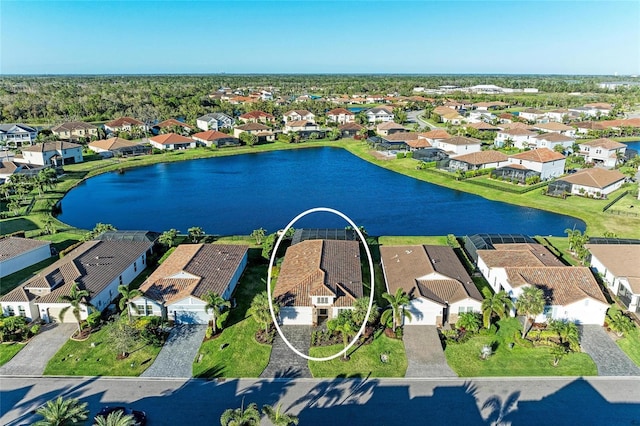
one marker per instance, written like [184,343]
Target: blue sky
[513,37]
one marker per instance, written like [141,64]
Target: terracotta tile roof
[350,126]
[172,122]
[435,134]
[122,121]
[170,139]
[512,258]
[401,137]
[432,272]
[482,157]
[418,143]
[320,267]
[443,110]
[490,104]
[11,247]
[562,286]
[482,126]
[553,126]
[604,143]
[540,155]
[252,127]
[51,146]
[113,143]
[256,115]
[554,137]
[510,126]
[621,260]
[628,122]
[301,112]
[592,125]
[8,167]
[518,131]
[301,123]
[194,269]
[390,125]
[18,294]
[599,105]
[339,111]
[211,135]
[462,140]
[595,178]
[73,125]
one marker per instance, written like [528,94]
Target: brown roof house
[594,182]
[176,290]
[98,266]
[216,139]
[318,279]
[602,151]
[52,154]
[571,293]
[620,269]
[341,116]
[74,130]
[172,141]
[18,253]
[118,147]
[479,160]
[439,286]
[542,161]
[124,124]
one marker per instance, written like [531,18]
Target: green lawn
[464,359]
[80,359]
[365,360]
[8,351]
[10,282]
[243,356]
[412,240]
[631,345]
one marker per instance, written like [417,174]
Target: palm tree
[168,238]
[115,418]
[359,313]
[344,325]
[76,298]
[619,322]
[499,304]
[249,416]
[572,234]
[259,234]
[62,412]
[396,308]
[260,310]
[215,303]
[195,232]
[128,294]
[277,417]
[530,304]
[469,321]
[558,352]
[567,333]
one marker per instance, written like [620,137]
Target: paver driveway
[608,356]
[32,360]
[178,353]
[425,357]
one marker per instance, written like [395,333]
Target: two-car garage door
[184,316]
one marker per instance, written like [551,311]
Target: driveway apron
[178,353]
[33,359]
[425,357]
[608,356]
[283,361]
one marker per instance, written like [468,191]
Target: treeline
[53,99]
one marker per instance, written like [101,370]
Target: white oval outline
[273,257]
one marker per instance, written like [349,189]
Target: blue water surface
[237,194]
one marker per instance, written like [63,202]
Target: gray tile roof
[14,246]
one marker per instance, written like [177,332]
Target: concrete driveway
[424,352]
[32,360]
[608,356]
[178,353]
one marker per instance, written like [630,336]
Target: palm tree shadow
[500,411]
[211,373]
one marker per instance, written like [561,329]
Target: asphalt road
[413,117]
[449,401]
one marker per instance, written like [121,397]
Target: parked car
[139,416]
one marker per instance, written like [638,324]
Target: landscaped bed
[465,360]
[630,345]
[365,360]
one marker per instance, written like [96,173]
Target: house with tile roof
[257,117]
[341,116]
[571,293]
[318,279]
[264,133]
[594,182]
[16,135]
[51,154]
[520,138]
[389,127]
[124,124]
[457,145]
[556,127]
[350,130]
[299,115]
[479,160]
[172,141]
[439,286]
[620,270]
[172,124]
[96,266]
[75,130]
[602,151]
[216,139]
[214,121]
[18,253]
[532,114]
[379,114]
[542,160]
[433,136]
[552,139]
[177,288]
[305,126]
[117,146]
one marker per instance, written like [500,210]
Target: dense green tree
[168,238]
[259,234]
[195,232]
[115,418]
[619,322]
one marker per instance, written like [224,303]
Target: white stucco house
[18,253]
[341,116]
[595,182]
[51,154]
[478,160]
[177,289]
[620,269]
[439,286]
[214,121]
[318,279]
[172,141]
[458,145]
[519,138]
[379,114]
[299,115]
[98,266]
[543,160]
[552,139]
[602,151]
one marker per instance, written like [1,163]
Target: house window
[140,309]
[21,311]
[548,311]
[10,311]
[143,256]
[135,266]
[120,279]
[323,300]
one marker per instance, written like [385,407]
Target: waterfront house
[118,147]
[216,139]
[98,266]
[264,133]
[350,130]
[214,121]
[479,160]
[457,145]
[172,141]
[318,279]
[619,268]
[177,289]
[52,154]
[17,253]
[16,135]
[605,152]
[389,127]
[547,163]
[75,131]
[304,126]
[439,286]
[594,182]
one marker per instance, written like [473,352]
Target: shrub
[94,319]
[399,333]
[35,329]
[400,155]
[532,180]
[208,333]
[409,155]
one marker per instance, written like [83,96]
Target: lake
[237,194]
[633,145]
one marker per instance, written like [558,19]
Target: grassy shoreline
[587,210]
